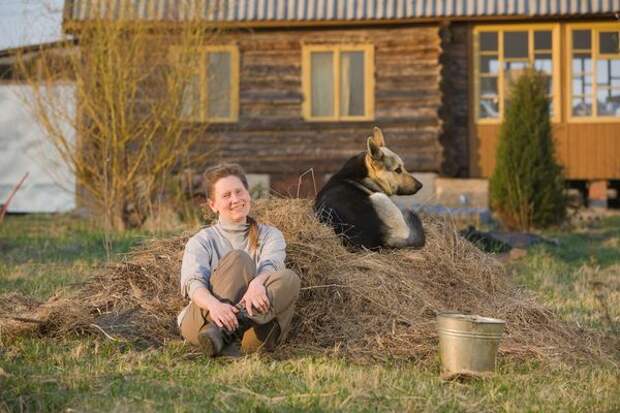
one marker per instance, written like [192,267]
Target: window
[501,54]
[338,82]
[594,55]
[212,92]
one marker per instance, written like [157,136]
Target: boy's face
[230,200]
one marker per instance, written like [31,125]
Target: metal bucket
[468,343]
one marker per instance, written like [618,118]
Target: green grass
[43,254]
[580,278]
[89,375]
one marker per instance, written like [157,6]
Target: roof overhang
[228,14]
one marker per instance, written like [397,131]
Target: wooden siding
[271,136]
[593,150]
[587,150]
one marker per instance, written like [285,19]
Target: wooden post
[597,194]
[5,207]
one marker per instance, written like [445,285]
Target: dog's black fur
[345,204]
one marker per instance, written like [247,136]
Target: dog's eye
[398,170]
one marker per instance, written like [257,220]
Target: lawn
[42,255]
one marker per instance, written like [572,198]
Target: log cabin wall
[454,112]
[271,136]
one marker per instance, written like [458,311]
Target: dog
[356,200]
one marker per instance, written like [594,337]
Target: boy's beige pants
[229,282]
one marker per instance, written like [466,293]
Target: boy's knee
[237,259]
[291,280]
[239,256]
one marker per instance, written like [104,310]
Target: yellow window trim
[369,81]
[516,27]
[234,82]
[594,29]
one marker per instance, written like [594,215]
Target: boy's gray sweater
[204,250]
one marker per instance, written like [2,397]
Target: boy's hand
[223,315]
[256,296]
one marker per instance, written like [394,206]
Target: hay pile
[365,304]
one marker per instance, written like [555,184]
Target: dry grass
[361,304]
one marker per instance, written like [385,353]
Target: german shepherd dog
[356,200]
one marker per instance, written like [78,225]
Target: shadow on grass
[50,238]
[599,245]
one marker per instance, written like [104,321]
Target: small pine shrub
[527,186]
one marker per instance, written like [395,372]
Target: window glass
[549,88]
[515,45]
[603,73]
[608,102]
[608,87]
[582,63]
[614,70]
[352,84]
[488,41]
[582,106]
[544,63]
[218,84]
[489,64]
[582,39]
[542,40]
[608,42]
[488,86]
[582,85]
[322,81]
[489,108]
[513,71]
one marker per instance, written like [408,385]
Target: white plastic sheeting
[50,186]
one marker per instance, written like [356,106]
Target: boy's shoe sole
[207,343]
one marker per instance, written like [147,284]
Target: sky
[27,22]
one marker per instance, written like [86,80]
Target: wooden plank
[587,151]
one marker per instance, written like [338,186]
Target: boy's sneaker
[212,339]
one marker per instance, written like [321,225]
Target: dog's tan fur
[386,169]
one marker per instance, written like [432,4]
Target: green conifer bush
[527,186]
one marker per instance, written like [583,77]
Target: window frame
[594,29]
[554,28]
[369,81]
[203,110]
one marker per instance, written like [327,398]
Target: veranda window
[338,82]
[595,72]
[501,54]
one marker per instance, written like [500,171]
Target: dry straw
[364,305]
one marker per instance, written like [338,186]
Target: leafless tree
[132,115]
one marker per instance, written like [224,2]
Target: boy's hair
[222,170]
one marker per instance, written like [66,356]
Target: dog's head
[386,169]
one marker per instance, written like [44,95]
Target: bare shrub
[130,110]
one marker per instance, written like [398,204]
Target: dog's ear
[374,150]
[378,137]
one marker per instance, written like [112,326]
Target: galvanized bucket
[468,343]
